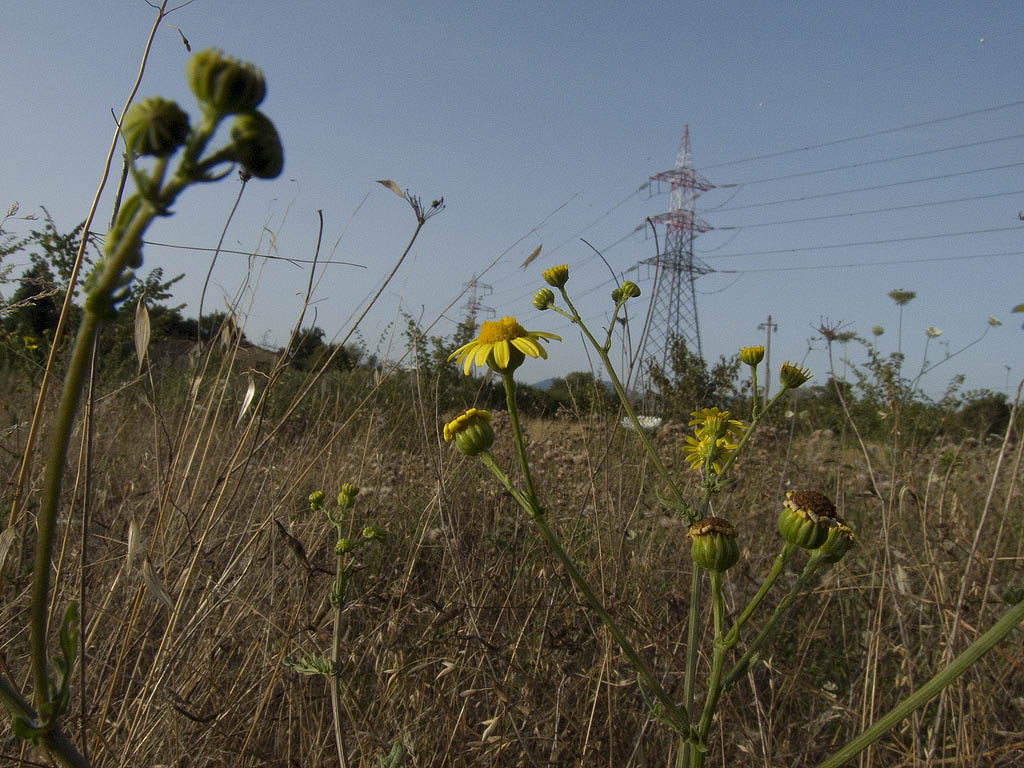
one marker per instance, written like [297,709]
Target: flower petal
[482,351]
[528,347]
[501,354]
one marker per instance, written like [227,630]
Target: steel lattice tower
[673,313]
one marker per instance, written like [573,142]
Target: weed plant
[553,617]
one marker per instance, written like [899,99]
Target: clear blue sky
[539,123]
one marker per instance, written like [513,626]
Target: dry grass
[462,638]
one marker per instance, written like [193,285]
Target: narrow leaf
[135,552]
[141,331]
[6,539]
[532,256]
[247,400]
[392,186]
[156,589]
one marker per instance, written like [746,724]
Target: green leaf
[141,332]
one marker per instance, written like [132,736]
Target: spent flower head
[471,430]
[502,345]
[556,277]
[806,518]
[752,356]
[792,376]
[933,332]
[714,545]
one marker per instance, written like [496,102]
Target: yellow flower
[503,345]
[705,451]
[792,376]
[556,277]
[715,424]
[752,355]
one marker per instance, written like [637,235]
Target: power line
[872,188]
[831,246]
[877,161]
[890,262]
[874,210]
[883,132]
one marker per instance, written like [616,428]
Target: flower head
[792,376]
[471,430]
[994,322]
[556,277]
[544,299]
[806,518]
[716,424]
[646,422]
[837,542]
[877,330]
[155,127]
[752,355]
[704,451]
[714,545]
[502,345]
[933,332]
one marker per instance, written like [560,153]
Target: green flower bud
[316,500]
[792,376]
[347,495]
[372,532]
[806,518]
[155,127]
[630,290]
[556,277]
[752,356]
[471,430]
[544,299]
[837,542]
[257,145]
[342,546]
[714,545]
[224,85]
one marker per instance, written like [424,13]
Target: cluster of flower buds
[628,290]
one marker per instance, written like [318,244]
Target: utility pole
[768,326]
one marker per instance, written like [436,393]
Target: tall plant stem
[929,690]
[714,690]
[335,657]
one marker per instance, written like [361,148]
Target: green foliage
[689,385]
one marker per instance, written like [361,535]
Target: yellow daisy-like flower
[556,277]
[792,376]
[503,345]
[752,355]
[715,424]
[471,430]
[704,451]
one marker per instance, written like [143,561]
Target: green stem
[929,690]
[676,716]
[617,385]
[56,743]
[517,432]
[339,587]
[801,583]
[714,690]
[777,567]
[753,384]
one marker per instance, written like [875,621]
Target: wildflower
[901,296]
[933,332]
[347,495]
[792,376]
[502,345]
[716,424]
[752,355]
[993,322]
[257,145]
[316,500]
[837,542]
[646,422]
[877,330]
[224,85]
[806,518]
[556,277]
[372,532]
[714,544]
[155,127]
[544,299]
[628,290]
[30,343]
[703,451]
[471,430]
